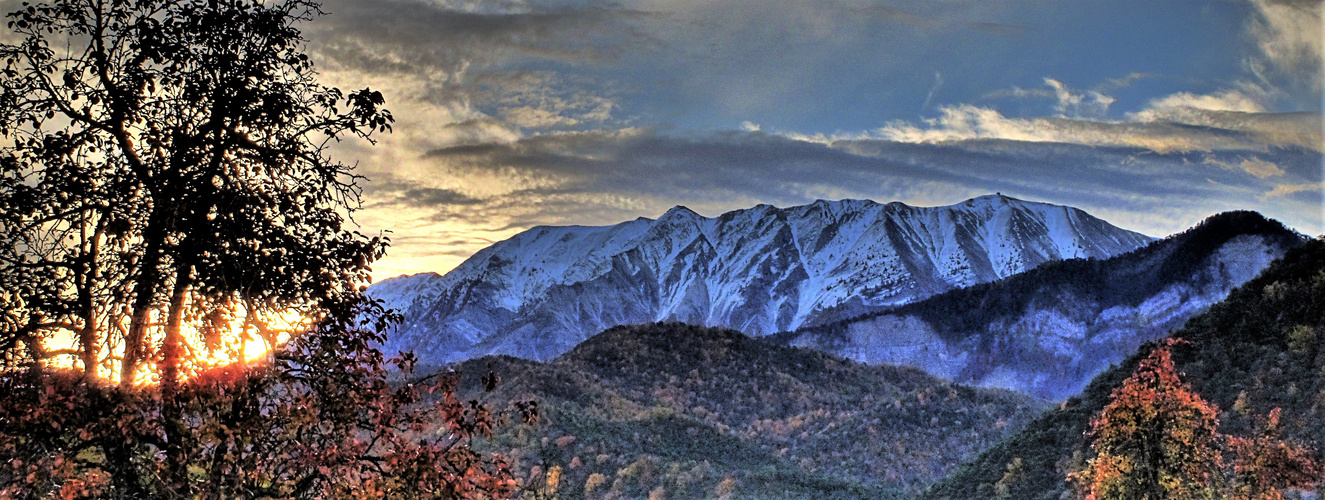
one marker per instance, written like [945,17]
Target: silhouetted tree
[165,164]
[192,132]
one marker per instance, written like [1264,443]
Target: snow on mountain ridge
[760,270]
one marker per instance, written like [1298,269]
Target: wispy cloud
[1192,130]
[1288,34]
[1288,189]
[938,82]
[1177,107]
[1257,167]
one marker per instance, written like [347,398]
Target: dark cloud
[390,190]
[783,171]
[408,36]
[418,197]
[712,166]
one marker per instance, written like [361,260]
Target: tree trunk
[87,336]
[37,352]
[144,291]
[172,346]
[172,349]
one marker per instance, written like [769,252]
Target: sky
[517,113]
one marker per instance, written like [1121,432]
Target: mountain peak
[996,200]
[760,270]
[679,212]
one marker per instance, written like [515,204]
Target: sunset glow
[238,345]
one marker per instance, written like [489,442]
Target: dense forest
[1257,351]
[679,411]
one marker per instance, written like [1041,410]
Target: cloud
[1195,130]
[1256,167]
[409,35]
[938,82]
[1288,189]
[513,113]
[437,196]
[1231,119]
[1124,82]
[1020,93]
[1078,103]
[546,100]
[1068,101]
[1180,106]
[719,168]
[460,72]
[1288,34]
[461,197]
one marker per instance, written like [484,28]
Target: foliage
[1265,465]
[1240,355]
[321,422]
[1155,439]
[164,170]
[165,164]
[682,407]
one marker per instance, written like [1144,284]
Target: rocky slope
[1261,348]
[759,270]
[1048,331]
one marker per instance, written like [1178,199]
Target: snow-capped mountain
[1048,331]
[759,270]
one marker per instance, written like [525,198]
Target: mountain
[759,270]
[682,408]
[1261,348]
[1049,330]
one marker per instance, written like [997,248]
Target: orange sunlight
[240,344]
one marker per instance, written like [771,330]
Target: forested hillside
[1262,348]
[685,411]
[1049,330]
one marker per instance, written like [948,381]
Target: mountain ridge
[1261,348]
[1048,330]
[702,404]
[760,270]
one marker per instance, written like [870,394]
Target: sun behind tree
[164,164]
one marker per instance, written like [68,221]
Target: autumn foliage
[1157,439]
[1265,464]
[323,421]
